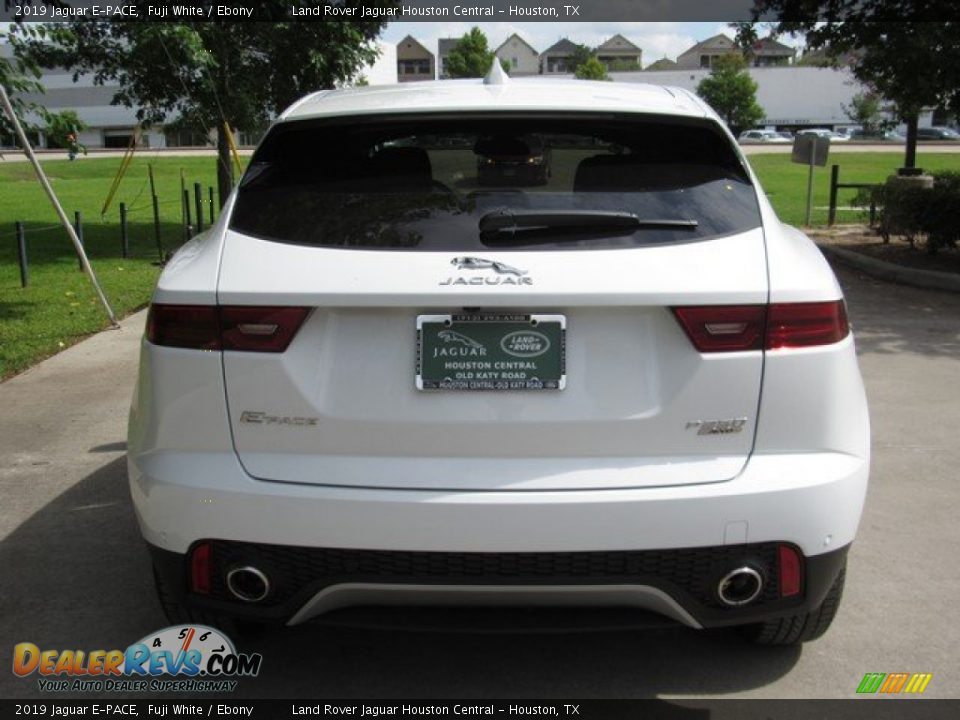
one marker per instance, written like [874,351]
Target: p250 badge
[717,427]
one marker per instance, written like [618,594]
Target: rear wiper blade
[511,221]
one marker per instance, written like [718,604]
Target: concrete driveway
[74,574]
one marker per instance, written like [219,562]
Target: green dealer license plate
[491,352]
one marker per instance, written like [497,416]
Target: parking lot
[74,572]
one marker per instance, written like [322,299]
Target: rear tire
[799,628]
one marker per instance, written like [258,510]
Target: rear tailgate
[341,407]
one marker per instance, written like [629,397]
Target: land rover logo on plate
[525,343]
[491,351]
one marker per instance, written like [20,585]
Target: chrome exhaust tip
[740,587]
[248,584]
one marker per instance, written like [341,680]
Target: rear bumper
[621,547]
[680,585]
[812,501]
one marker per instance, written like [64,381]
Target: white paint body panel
[634,380]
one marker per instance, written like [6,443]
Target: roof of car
[531,94]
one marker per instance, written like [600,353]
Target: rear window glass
[466,183]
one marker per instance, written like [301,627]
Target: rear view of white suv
[378,380]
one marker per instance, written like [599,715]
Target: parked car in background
[877,136]
[762,136]
[823,132]
[937,133]
[377,381]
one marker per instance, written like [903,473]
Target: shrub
[941,220]
[913,211]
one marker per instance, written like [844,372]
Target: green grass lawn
[786,183]
[59,307]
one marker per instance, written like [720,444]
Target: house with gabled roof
[663,63]
[705,53]
[555,60]
[520,56]
[444,46]
[618,53]
[766,52]
[414,61]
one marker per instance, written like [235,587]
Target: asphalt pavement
[74,572]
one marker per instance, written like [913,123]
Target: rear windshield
[465,183]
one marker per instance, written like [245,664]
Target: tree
[62,126]
[471,57]
[212,74]
[592,69]
[914,65]
[731,91]
[864,109]
[581,53]
[19,75]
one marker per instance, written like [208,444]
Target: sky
[656,39]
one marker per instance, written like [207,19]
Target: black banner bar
[470,11]
[234,709]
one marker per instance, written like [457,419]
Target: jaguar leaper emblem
[505,274]
[474,263]
[451,336]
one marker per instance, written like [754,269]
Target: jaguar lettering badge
[513,276]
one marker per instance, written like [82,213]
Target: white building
[112,126]
[108,125]
[792,97]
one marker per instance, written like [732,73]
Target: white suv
[607,375]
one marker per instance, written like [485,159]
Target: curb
[881,270]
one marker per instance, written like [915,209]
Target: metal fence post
[187,223]
[22,255]
[198,201]
[834,180]
[156,227]
[210,188]
[124,237]
[78,226]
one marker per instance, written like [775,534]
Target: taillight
[184,326]
[731,328]
[236,327]
[791,571]
[791,325]
[200,569]
[723,328]
[259,329]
